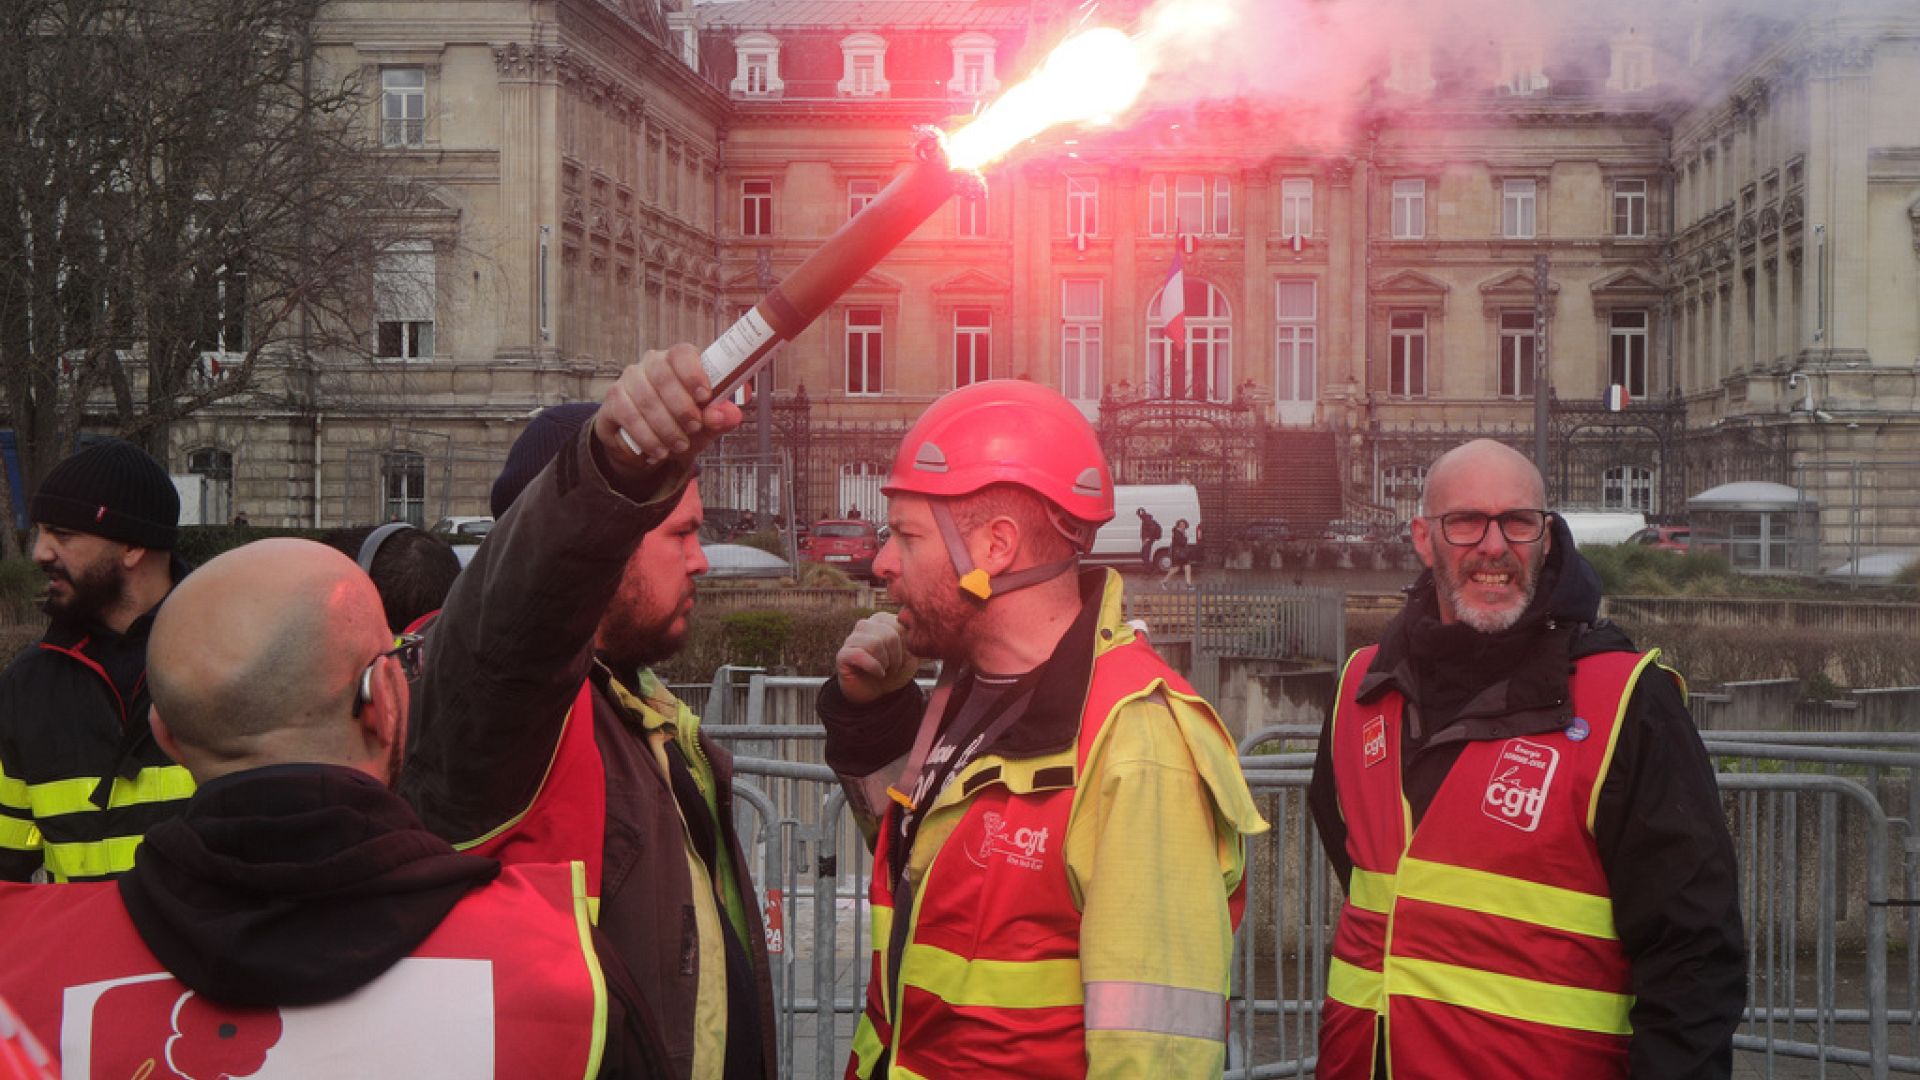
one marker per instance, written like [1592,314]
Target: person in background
[1523,797]
[81,777]
[544,733]
[1149,532]
[297,919]
[1063,815]
[1179,555]
[413,569]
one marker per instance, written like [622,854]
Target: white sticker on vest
[1023,847]
[426,1017]
[1517,790]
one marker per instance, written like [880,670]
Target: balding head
[255,659]
[1479,465]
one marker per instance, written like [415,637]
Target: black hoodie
[1659,828]
[292,884]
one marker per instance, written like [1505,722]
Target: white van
[1118,541]
[1591,527]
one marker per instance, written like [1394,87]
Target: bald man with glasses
[1521,796]
[298,919]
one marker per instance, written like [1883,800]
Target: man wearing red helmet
[1058,828]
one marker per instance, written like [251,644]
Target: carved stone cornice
[532,63]
[1850,57]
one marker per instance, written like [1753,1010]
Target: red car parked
[847,543]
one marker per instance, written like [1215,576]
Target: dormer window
[973,66]
[1522,70]
[864,65]
[1631,68]
[757,66]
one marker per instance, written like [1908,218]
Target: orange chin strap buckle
[976,584]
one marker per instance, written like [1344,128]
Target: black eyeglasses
[406,650]
[1465,528]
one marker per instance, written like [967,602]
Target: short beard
[628,647]
[95,590]
[1487,622]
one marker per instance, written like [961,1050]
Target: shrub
[198,543]
[766,540]
[20,582]
[806,642]
[756,637]
[1909,574]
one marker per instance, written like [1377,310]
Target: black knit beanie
[111,489]
[553,428]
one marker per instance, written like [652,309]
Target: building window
[1193,214]
[1407,354]
[1401,487]
[1627,487]
[223,314]
[403,476]
[1296,208]
[1630,208]
[863,351]
[973,66]
[1521,69]
[214,467]
[757,65]
[970,215]
[972,345]
[859,194]
[1201,367]
[1517,199]
[1631,67]
[756,208]
[1080,339]
[403,287]
[1516,354]
[863,65]
[1628,367]
[1295,341]
[403,107]
[1083,206]
[1409,209]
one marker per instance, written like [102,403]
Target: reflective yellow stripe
[93,858]
[156,783]
[866,1047]
[1156,1008]
[18,835]
[1372,891]
[1507,995]
[1354,986]
[13,792]
[1527,901]
[1000,984]
[1652,657]
[882,926]
[582,922]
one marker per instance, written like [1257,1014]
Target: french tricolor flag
[1171,314]
[1616,398]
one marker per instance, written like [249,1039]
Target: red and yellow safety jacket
[1490,927]
[85,981]
[1073,911]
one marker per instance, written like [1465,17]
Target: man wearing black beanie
[81,778]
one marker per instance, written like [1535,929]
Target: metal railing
[1815,852]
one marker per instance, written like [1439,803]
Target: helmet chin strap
[974,581]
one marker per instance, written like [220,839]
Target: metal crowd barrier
[1811,837]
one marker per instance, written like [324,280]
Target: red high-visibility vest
[1485,940]
[567,819]
[990,982]
[507,986]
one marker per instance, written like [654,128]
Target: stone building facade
[1728,235]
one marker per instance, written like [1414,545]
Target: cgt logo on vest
[1517,790]
[1022,847]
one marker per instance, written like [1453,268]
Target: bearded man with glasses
[1522,796]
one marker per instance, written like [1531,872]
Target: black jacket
[73,705]
[1659,826]
[299,884]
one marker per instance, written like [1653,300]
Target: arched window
[757,66]
[1627,487]
[863,60]
[1202,368]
